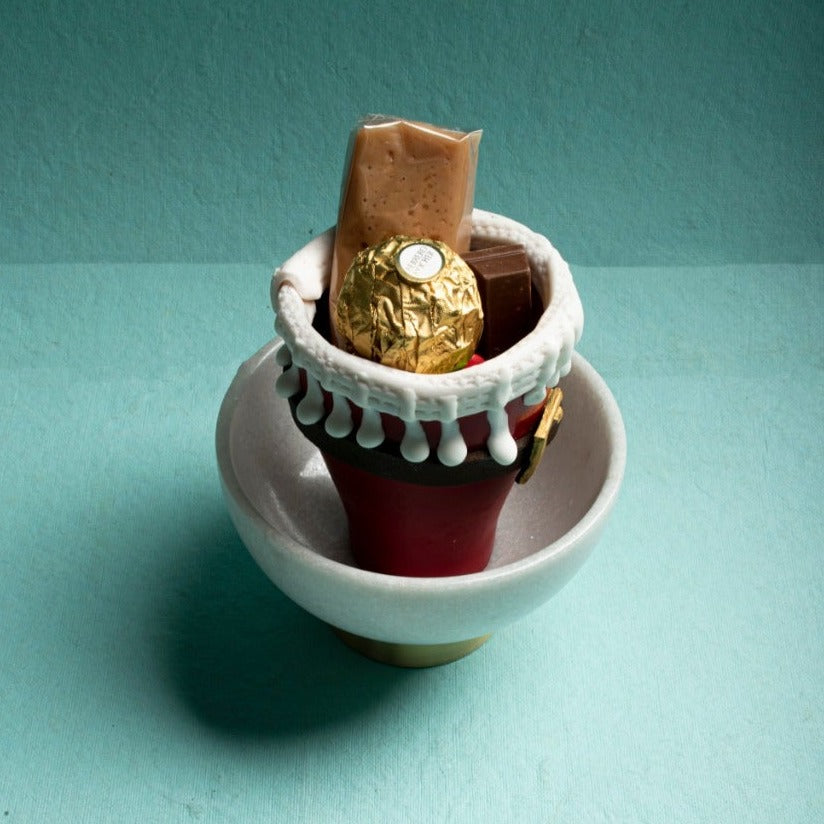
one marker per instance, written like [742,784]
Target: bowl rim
[443,587]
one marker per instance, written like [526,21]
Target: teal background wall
[631,133]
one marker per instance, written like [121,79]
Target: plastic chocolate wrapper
[410,303]
[403,178]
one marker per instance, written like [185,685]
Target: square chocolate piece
[505,283]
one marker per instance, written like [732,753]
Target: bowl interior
[285,479]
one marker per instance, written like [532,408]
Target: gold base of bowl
[410,655]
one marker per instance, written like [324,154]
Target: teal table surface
[150,672]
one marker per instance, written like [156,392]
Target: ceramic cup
[418,518]
[423,463]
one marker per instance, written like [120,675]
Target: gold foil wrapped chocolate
[410,303]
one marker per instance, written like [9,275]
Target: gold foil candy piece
[410,303]
[547,427]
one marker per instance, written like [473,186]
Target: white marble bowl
[288,515]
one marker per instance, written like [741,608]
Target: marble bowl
[288,514]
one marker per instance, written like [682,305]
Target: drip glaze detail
[414,445]
[451,447]
[310,409]
[501,444]
[525,370]
[339,422]
[370,432]
[288,382]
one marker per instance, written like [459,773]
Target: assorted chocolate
[403,178]
[407,192]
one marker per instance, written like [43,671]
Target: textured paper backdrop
[635,132]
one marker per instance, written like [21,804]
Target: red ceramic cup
[409,513]
[403,528]
[422,519]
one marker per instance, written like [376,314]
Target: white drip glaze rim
[526,369]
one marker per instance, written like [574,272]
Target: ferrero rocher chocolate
[410,303]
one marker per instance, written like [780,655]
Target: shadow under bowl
[288,514]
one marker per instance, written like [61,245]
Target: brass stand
[410,655]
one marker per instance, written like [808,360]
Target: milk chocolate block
[505,284]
